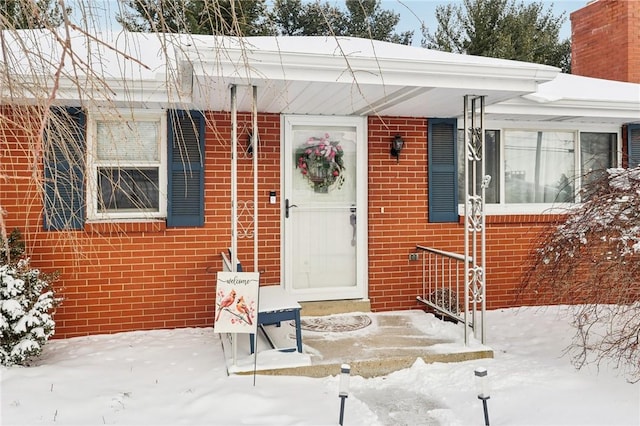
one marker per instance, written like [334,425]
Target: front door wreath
[320,162]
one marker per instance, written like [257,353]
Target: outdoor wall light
[482,386]
[397,144]
[343,389]
[250,144]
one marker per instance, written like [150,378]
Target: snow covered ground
[174,377]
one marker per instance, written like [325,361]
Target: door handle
[353,220]
[287,207]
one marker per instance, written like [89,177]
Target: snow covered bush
[591,260]
[26,300]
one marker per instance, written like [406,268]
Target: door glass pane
[324,162]
[323,213]
[539,167]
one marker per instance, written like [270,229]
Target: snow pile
[178,377]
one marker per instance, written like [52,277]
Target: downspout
[254,144]
[234,199]
[234,180]
[467,221]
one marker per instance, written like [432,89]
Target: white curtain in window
[134,141]
[539,166]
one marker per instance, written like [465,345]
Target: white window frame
[93,163]
[503,208]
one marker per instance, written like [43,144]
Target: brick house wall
[139,276]
[605,37]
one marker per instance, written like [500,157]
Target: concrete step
[374,344]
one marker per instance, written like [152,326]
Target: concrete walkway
[373,344]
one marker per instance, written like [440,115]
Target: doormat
[335,323]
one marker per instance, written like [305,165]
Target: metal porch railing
[453,283]
[443,283]
[445,289]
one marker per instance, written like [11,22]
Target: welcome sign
[237,302]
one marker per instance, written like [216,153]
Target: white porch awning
[351,76]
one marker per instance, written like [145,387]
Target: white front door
[324,207]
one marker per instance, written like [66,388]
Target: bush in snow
[592,261]
[26,300]
[12,247]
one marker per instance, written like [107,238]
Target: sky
[179,377]
[413,12]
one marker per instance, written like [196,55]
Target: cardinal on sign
[243,309]
[226,302]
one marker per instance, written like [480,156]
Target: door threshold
[330,307]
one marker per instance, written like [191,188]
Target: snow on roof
[143,55]
[76,67]
[115,55]
[569,86]
[360,76]
[375,61]
[575,98]
[355,47]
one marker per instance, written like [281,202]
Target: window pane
[127,189]
[539,167]
[491,156]
[128,140]
[597,153]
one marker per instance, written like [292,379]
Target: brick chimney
[605,38]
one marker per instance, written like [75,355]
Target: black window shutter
[185,141]
[443,177]
[64,168]
[633,141]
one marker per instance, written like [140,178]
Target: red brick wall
[401,189]
[120,277]
[605,37]
[135,276]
